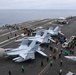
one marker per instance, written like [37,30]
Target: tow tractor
[67,43]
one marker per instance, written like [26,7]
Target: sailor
[51,63]
[61,51]
[9,72]
[15,34]
[51,48]
[59,54]
[60,62]
[72,51]
[54,57]
[47,59]
[50,56]
[57,41]
[60,72]
[42,64]
[22,68]
[54,50]
[8,37]
[16,38]
[10,33]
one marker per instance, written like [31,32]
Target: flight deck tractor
[69,42]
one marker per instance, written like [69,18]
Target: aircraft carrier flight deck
[33,67]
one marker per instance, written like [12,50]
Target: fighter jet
[39,37]
[56,31]
[25,51]
[52,31]
[71,57]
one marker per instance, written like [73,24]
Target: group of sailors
[51,57]
[54,50]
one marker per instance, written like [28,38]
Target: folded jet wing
[25,51]
[42,53]
[71,57]
[23,55]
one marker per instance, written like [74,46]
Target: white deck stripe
[8,40]
[8,33]
[7,43]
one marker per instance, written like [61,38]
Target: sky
[37,4]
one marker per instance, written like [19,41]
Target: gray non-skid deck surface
[33,67]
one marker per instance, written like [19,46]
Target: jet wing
[8,49]
[23,47]
[27,38]
[33,38]
[37,39]
[23,55]
[42,53]
[71,57]
[19,40]
[51,32]
[52,39]
[61,33]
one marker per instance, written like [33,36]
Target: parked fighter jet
[71,57]
[25,51]
[40,38]
[56,31]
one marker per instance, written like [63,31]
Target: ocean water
[12,16]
